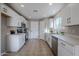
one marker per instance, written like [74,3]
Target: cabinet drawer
[67,46]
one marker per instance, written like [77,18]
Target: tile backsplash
[72,30]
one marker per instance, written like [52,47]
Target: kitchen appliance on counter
[12,31]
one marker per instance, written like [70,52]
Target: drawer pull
[69,20]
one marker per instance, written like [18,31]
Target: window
[51,23]
[57,24]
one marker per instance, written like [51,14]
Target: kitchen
[58,28]
[15,31]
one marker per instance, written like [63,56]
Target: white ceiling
[44,9]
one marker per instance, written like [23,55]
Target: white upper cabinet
[70,15]
[14,18]
[14,22]
[23,20]
[4,9]
[65,15]
[75,13]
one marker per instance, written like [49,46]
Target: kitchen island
[15,42]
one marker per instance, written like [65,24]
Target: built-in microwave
[19,30]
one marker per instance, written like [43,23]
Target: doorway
[34,30]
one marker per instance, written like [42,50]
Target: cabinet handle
[69,20]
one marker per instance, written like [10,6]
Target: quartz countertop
[69,39]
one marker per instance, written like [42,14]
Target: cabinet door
[4,9]
[63,17]
[63,49]
[13,43]
[66,52]
[12,22]
[66,15]
[21,41]
[49,40]
[75,14]
[10,12]
[59,49]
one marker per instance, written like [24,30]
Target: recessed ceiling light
[22,5]
[50,4]
[29,16]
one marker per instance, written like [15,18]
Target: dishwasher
[55,45]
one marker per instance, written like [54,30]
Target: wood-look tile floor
[35,47]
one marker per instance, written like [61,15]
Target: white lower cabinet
[15,42]
[59,49]
[65,49]
[49,40]
[66,52]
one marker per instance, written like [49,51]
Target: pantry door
[34,30]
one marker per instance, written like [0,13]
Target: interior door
[34,30]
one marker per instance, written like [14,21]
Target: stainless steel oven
[19,30]
[55,45]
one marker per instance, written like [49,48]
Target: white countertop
[71,40]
